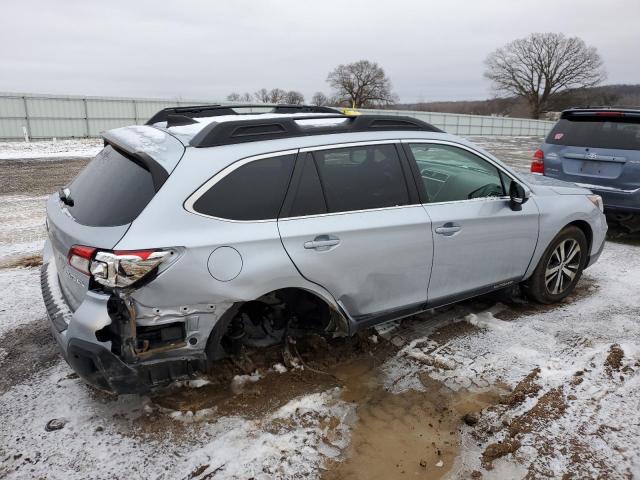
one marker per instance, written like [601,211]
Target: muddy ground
[491,388]
[37,177]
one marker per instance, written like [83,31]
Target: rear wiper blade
[65,196]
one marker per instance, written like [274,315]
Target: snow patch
[45,149]
[602,420]
[280,368]
[24,304]
[292,442]
[485,320]
[239,381]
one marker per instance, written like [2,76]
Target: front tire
[560,267]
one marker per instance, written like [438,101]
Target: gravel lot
[492,388]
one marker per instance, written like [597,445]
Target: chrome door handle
[448,229]
[322,242]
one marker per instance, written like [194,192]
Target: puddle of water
[413,433]
[402,434]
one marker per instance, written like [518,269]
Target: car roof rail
[215,110]
[255,130]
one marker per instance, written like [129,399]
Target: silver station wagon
[211,230]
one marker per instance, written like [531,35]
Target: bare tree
[361,84]
[319,99]
[542,64]
[262,96]
[294,98]
[277,95]
[239,97]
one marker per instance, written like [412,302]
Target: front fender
[558,211]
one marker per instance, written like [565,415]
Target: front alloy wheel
[560,267]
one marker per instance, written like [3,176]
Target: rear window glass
[254,191]
[599,132]
[112,190]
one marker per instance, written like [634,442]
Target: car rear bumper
[92,360]
[617,200]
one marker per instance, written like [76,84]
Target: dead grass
[613,361]
[24,261]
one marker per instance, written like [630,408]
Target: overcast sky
[431,50]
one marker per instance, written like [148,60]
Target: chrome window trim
[331,214]
[193,198]
[477,154]
[336,146]
[188,204]
[480,199]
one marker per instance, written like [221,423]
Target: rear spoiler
[158,172]
[601,112]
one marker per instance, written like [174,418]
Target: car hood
[541,184]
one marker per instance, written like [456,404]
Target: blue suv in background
[598,148]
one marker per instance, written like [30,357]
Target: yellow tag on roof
[350,112]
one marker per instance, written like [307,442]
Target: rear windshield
[112,190]
[599,132]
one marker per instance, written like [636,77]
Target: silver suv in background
[211,230]
[598,148]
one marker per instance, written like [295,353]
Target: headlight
[597,201]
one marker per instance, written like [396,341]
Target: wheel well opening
[271,318]
[586,229]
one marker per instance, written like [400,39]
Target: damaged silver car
[212,229]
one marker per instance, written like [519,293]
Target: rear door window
[254,191]
[306,195]
[361,178]
[597,131]
[112,190]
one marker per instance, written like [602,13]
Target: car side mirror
[518,195]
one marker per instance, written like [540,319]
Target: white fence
[459,124]
[47,116]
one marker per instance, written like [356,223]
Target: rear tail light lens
[80,258]
[116,269]
[124,268]
[537,164]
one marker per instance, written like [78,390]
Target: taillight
[80,258]
[537,164]
[123,268]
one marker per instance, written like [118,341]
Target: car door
[480,243]
[352,222]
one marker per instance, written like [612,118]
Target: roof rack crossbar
[199,111]
[241,131]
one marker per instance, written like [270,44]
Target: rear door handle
[322,242]
[448,229]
